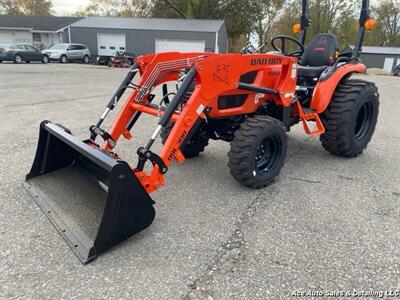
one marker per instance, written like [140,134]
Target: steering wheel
[283,39]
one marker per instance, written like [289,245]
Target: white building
[38,31]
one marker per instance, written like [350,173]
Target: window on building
[37,37]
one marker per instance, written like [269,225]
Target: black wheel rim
[267,154]
[363,121]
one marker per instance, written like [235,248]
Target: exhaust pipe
[94,200]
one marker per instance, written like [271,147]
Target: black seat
[313,72]
[318,55]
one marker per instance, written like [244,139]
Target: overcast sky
[67,7]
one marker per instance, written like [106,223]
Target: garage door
[388,64]
[5,38]
[15,37]
[109,43]
[166,45]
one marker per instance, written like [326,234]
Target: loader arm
[212,75]
[104,200]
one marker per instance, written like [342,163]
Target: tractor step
[308,114]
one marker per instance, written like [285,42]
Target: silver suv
[67,53]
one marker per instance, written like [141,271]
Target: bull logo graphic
[221,73]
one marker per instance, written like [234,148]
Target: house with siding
[38,31]
[106,35]
[386,58]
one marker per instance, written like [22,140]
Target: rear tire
[258,151]
[350,118]
[193,148]
[86,59]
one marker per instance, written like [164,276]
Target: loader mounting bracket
[104,134]
[145,154]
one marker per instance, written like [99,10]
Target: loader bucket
[93,200]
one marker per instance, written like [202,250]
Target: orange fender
[324,89]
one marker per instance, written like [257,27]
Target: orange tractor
[95,199]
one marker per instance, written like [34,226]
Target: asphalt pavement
[328,224]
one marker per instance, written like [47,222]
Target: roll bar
[304,21]
[364,16]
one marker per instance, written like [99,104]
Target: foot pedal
[307,114]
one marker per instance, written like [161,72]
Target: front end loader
[95,199]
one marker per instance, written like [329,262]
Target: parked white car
[68,53]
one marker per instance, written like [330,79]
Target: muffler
[93,199]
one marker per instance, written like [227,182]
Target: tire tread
[338,117]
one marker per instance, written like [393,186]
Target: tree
[9,7]
[337,17]
[237,14]
[266,12]
[387,33]
[187,9]
[35,7]
[119,8]
[26,7]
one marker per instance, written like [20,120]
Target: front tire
[63,59]
[45,59]
[17,59]
[258,151]
[350,118]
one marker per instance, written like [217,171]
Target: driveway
[327,224]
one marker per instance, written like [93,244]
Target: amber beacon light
[370,24]
[296,28]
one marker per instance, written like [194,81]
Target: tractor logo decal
[265,61]
[221,73]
